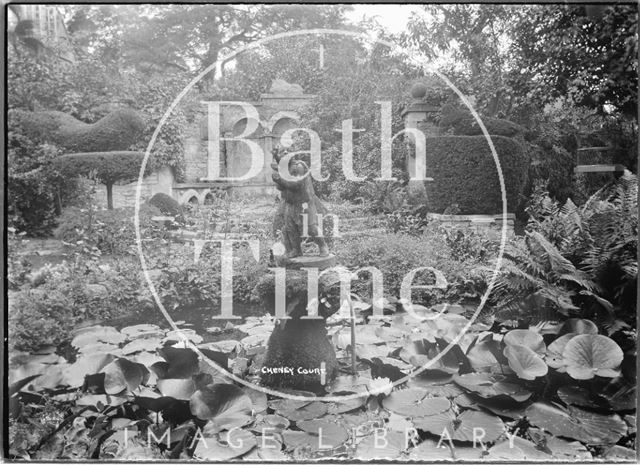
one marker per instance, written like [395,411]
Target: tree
[106,167]
[190,37]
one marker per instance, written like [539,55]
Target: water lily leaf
[142,331]
[527,338]
[121,374]
[588,355]
[490,386]
[182,363]
[225,446]
[412,402]
[100,348]
[274,423]
[347,405]
[182,334]
[525,362]
[299,411]
[382,445]
[517,449]
[570,451]
[258,399]
[219,399]
[435,389]
[180,388]
[327,434]
[94,334]
[578,326]
[428,450]
[555,350]
[587,427]
[148,344]
[620,454]
[574,395]
[486,356]
[349,383]
[485,427]
[88,365]
[420,352]
[226,347]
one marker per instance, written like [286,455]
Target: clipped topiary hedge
[116,131]
[464,124]
[107,167]
[465,173]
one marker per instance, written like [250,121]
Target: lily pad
[412,402]
[223,447]
[88,365]
[382,445]
[142,331]
[525,362]
[219,399]
[300,411]
[326,434]
[527,338]
[148,344]
[490,386]
[555,350]
[177,388]
[94,334]
[121,374]
[588,355]
[579,326]
[485,427]
[517,449]
[587,427]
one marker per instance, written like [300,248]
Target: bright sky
[394,17]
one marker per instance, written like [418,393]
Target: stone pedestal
[299,352]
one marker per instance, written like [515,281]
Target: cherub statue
[298,198]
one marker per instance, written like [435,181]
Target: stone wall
[124,195]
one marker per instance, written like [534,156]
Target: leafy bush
[36,191]
[109,231]
[395,255]
[407,220]
[465,173]
[166,204]
[70,294]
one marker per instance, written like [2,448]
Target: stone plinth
[299,352]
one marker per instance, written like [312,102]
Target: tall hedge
[107,167]
[116,131]
[465,173]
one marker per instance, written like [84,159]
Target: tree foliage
[106,167]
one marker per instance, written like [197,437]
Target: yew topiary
[465,173]
[116,131]
[106,167]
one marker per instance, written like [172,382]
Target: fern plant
[574,260]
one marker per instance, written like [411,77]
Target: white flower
[380,386]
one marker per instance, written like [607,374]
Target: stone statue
[298,198]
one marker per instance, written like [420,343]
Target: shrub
[106,167]
[116,131]
[407,221]
[166,204]
[36,191]
[109,231]
[46,314]
[465,173]
[397,254]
